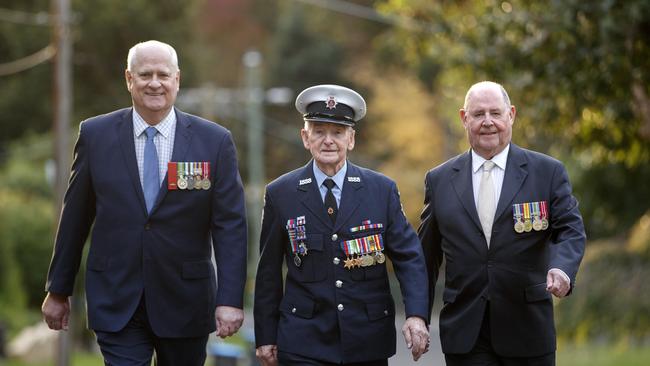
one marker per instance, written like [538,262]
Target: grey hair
[483,84]
[131,57]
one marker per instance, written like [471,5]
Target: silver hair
[482,84]
[131,57]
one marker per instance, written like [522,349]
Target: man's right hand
[56,311]
[267,354]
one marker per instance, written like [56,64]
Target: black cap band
[339,112]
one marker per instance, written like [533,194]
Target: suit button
[293,311]
[340,307]
[339,283]
[385,312]
[336,260]
[334,237]
[147,226]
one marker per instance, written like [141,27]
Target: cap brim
[329,120]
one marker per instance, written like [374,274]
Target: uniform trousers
[483,353]
[135,343]
[292,359]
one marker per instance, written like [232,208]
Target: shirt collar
[164,127]
[337,178]
[499,159]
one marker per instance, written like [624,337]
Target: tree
[577,72]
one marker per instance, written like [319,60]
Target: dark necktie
[150,176]
[330,201]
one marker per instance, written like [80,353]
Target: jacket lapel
[310,195]
[462,183]
[127,143]
[513,179]
[350,200]
[182,139]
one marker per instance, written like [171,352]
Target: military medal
[365,251]
[205,183]
[181,182]
[537,222]
[528,225]
[297,237]
[198,177]
[296,260]
[189,174]
[519,225]
[544,215]
[380,257]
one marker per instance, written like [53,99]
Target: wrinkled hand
[416,336]
[56,311]
[556,283]
[267,354]
[229,319]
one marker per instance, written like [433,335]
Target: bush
[611,300]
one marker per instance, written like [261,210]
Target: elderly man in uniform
[334,223]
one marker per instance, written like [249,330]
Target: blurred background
[577,71]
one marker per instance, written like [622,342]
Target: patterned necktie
[330,201]
[486,200]
[151,175]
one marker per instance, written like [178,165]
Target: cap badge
[330,103]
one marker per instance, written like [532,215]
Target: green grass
[603,355]
[78,359]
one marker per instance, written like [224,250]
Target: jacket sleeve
[228,222]
[268,281]
[405,253]
[568,233]
[430,239]
[77,216]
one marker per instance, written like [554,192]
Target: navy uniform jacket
[353,321]
[167,254]
[511,275]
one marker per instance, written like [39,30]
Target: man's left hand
[416,336]
[229,320]
[556,283]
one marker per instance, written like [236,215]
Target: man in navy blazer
[506,223]
[334,224]
[161,191]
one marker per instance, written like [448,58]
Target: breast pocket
[312,266]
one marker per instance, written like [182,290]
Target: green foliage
[26,223]
[577,72]
[612,295]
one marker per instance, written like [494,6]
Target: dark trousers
[292,359]
[135,343]
[484,355]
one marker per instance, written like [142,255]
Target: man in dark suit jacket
[159,185]
[334,223]
[510,231]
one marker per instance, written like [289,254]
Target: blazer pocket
[302,309]
[196,270]
[537,293]
[379,310]
[97,263]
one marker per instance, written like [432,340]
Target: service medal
[296,260]
[519,227]
[381,258]
[182,183]
[544,224]
[537,224]
[528,226]
[205,184]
